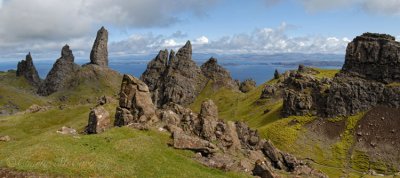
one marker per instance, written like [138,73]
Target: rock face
[176,78]
[99,53]
[99,120]
[373,56]
[247,85]
[26,69]
[371,62]
[61,74]
[220,76]
[135,105]
[227,145]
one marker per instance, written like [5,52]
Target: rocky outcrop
[371,62]
[374,57]
[220,76]
[247,85]
[99,53]
[135,105]
[27,69]
[230,146]
[99,120]
[174,78]
[61,75]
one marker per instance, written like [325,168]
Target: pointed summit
[99,53]
[26,69]
[67,53]
[60,76]
[185,53]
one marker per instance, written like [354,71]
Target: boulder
[247,85]
[135,105]
[67,131]
[99,120]
[208,119]
[183,141]
[61,75]
[5,138]
[27,69]
[99,53]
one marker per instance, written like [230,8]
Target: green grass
[119,152]
[16,90]
[326,73]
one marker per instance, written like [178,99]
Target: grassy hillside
[335,156]
[119,152]
[15,92]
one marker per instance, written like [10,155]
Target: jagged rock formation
[99,120]
[177,78]
[373,56]
[220,76]
[247,85]
[27,69]
[60,76]
[227,145]
[99,53]
[371,62]
[135,105]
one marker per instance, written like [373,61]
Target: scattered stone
[99,120]
[27,69]
[208,120]
[5,138]
[36,108]
[99,53]
[67,131]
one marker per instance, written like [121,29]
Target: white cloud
[384,7]
[49,23]
[201,40]
[264,40]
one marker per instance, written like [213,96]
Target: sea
[257,67]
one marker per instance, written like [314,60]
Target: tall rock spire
[99,53]
[26,69]
[60,76]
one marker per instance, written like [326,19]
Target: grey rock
[208,120]
[99,120]
[5,138]
[99,53]
[219,75]
[27,69]
[177,79]
[61,75]
[135,105]
[247,85]
[183,141]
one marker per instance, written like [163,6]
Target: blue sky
[213,26]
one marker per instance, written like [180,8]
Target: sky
[140,27]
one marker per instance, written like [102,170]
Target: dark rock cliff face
[99,53]
[176,77]
[220,76]
[373,56]
[371,63]
[27,69]
[60,76]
